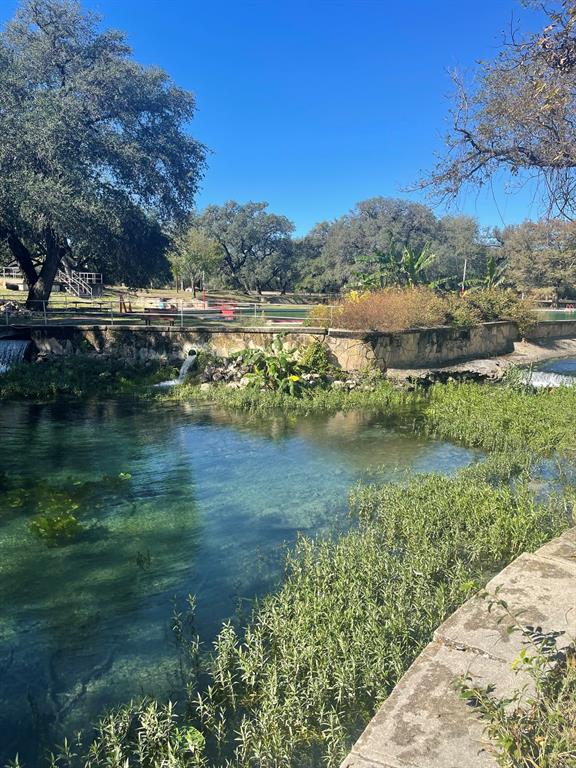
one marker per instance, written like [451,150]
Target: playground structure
[84,285]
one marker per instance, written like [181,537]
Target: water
[211,504]
[554,373]
[12,351]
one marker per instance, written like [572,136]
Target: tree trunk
[39,292]
[21,254]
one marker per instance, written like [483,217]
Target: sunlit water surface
[212,502]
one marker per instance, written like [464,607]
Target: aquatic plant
[81,376]
[500,418]
[317,658]
[379,396]
[56,528]
[142,734]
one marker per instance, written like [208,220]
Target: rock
[204,387]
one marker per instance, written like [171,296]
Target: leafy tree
[542,255]
[255,244]
[193,256]
[91,142]
[517,115]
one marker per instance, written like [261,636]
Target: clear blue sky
[314,105]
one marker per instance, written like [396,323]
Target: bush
[392,309]
[396,309]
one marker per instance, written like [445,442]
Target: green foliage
[56,509]
[499,418]
[316,660]
[255,245]
[315,358]
[81,376]
[99,155]
[536,728]
[274,368]
[379,397]
[140,734]
[56,528]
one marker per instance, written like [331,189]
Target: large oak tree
[91,143]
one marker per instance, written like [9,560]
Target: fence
[70,311]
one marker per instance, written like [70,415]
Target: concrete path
[423,723]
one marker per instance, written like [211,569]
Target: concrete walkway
[423,723]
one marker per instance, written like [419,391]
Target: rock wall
[555,329]
[352,350]
[424,723]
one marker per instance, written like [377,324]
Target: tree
[517,116]
[255,244]
[542,254]
[91,142]
[193,256]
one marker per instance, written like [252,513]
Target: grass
[381,398]
[500,418]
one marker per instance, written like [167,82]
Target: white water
[188,363]
[542,379]
[12,351]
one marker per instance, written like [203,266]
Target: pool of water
[556,314]
[207,504]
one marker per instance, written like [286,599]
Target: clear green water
[212,502]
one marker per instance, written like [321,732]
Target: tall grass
[499,418]
[378,397]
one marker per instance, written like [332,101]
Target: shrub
[396,309]
[392,309]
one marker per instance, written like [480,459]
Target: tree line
[380,242]
[98,172]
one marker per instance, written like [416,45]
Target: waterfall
[542,379]
[12,351]
[188,363]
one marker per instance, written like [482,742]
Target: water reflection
[213,500]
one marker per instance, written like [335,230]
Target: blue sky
[313,106]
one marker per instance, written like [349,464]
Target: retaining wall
[352,350]
[424,723]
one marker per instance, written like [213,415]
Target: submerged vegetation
[299,682]
[55,510]
[81,376]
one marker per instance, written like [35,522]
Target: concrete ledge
[423,723]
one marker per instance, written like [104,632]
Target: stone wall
[555,329]
[352,350]
[424,723]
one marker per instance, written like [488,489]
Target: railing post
[181,313]
[45,314]
[111,314]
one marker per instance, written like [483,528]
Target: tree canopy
[92,142]
[255,245]
[518,115]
